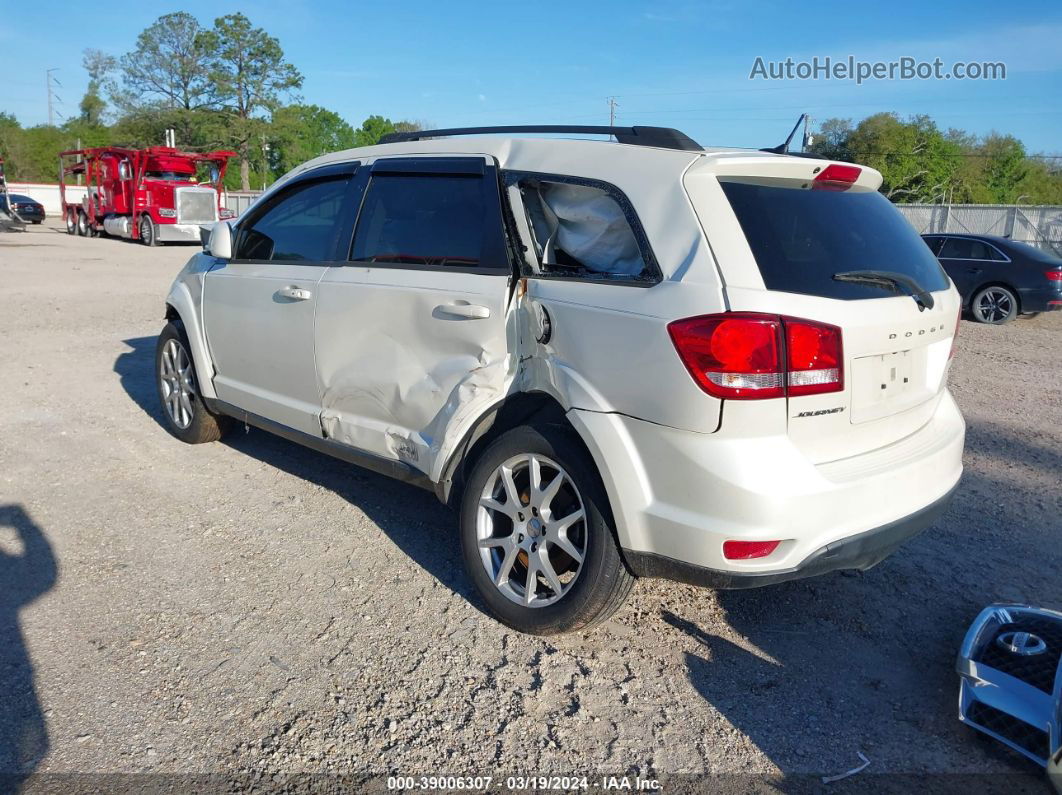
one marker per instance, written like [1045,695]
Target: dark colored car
[999,278]
[28,209]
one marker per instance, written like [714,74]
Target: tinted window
[438,221]
[933,243]
[802,236]
[957,248]
[300,224]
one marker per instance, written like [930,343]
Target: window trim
[652,274]
[434,166]
[976,239]
[328,173]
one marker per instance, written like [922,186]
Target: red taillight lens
[1054,276]
[813,352]
[748,356]
[733,355]
[745,550]
[836,177]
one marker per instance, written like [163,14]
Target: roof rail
[662,137]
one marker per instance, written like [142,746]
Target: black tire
[82,225]
[994,305]
[600,585]
[71,223]
[148,235]
[203,425]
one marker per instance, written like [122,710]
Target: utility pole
[48,80]
[807,140]
[612,105]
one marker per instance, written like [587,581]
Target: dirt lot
[251,607]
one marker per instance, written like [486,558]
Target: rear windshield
[802,237]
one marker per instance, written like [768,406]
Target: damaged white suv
[618,358]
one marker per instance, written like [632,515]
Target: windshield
[802,237]
[171,176]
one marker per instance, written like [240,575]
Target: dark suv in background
[999,278]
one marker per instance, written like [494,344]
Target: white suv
[619,359]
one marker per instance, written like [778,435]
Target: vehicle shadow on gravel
[815,671]
[414,519]
[24,576]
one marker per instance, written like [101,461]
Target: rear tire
[82,225]
[184,413]
[71,222]
[538,569]
[994,305]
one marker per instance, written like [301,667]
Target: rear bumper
[678,496]
[861,551]
[1040,299]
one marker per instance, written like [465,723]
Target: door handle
[470,311]
[294,293]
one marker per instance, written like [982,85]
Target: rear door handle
[471,311]
[295,293]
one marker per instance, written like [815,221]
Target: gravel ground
[251,608]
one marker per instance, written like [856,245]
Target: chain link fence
[1038,226]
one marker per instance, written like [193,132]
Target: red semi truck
[153,195]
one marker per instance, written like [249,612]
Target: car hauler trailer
[153,195]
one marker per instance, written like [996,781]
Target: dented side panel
[403,368]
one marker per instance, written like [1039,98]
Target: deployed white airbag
[589,225]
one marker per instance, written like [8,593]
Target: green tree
[301,132]
[376,127]
[170,66]
[1005,167]
[247,65]
[99,66]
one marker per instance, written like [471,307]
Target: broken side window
[583,229]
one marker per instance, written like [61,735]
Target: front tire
[183,411]
[147,231]
[994,305]
[536,534]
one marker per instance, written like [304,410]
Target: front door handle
[295,293]
[471,311]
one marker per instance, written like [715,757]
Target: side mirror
[214,174]
[123,170]
[220,244]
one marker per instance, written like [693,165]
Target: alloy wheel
[531,530]
[178,390]
[994,305]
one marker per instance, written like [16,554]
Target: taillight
[836,177]
[750,356]
[813,354]
[745,550]
[1054,276]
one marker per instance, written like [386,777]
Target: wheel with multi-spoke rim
[147,231]
[184,413]
[995,305]
[536,534]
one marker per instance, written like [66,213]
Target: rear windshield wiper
[894,281]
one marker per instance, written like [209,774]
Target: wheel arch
[180,308]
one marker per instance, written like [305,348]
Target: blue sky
[668,62]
